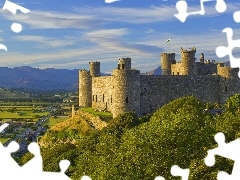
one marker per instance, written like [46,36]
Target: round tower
[227,71]
[188,61]
[85,88]
[124,63]
[126,92]
[202,58]
[94,69]
[166,61]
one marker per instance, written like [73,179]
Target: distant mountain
[44,79]
[157,71]
[35,78]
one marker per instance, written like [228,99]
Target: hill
[26,77]
[35,78]
[179,133]
[157,71]
[72,128]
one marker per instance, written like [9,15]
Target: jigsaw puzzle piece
[12,7]
[221,6]
[7,163]
[88,178]
[5,125]
[236,16]
[35,164]
[159,178]
[228,150]
[64,164]
[222,51]
[182,7]
[223,176]
[177,171]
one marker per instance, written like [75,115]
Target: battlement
[83,70]
[124,63]
[94,68]
[124,71]
[127,90]
[227,71]
[209,61]
[167,54]
[95,63]
[193,50]
[166,60]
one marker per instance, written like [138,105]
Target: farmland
[18,113]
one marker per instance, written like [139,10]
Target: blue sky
[67,34]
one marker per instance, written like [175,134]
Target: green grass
[24,115]
[3,140]
[21,112]
[105,116]
[53,121]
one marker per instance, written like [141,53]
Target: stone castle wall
[126,96]
[85,88]
[205,68]
[176,69]
[126,90]
[159,90]
[102,92]
[188,61]
[166,60]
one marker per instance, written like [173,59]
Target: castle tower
[166,60]
[124,63]
[227,72]
[228,82]
[126,92]
[94,69]
[85,88]
[188,60]
[202,58]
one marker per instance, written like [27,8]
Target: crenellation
[126,90]
[94,69]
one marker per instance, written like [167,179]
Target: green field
[105,116]
[21,112]
[53,121]
[3,140]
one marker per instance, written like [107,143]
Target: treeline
[179,133]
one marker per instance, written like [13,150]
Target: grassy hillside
[179,133]
[67,130]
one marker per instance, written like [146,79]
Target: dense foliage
[178,133]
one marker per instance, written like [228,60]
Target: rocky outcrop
[94,121]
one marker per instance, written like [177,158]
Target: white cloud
[47,42]
[107,44]
[97,17]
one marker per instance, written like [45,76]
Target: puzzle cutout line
[182,8]
[33,169]
[15,27]
[221,51]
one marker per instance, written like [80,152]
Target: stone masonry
[126,90]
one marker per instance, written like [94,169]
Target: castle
[127,90]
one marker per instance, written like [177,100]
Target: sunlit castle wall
[229,82]
[85,88]
[188,61]
[126,88]
[166,61]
